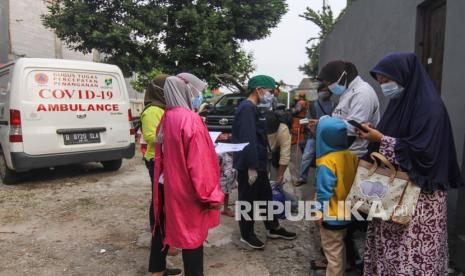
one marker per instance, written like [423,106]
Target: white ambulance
[58,112]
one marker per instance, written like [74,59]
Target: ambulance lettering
[73,94]
[77,107]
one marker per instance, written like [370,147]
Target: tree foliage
[325,21]
[198,36]
[142,80]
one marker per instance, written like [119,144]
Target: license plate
[81,138]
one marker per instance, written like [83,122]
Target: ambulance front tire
[112,165]
[7,175]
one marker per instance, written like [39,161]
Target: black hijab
[425,146]
[154,95]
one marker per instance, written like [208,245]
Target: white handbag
[383,192]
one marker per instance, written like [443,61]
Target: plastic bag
[279,196]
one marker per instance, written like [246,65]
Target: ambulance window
[4,81]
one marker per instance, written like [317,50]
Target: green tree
[198,36]
[325,21]
[142,80]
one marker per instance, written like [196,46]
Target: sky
[281,53]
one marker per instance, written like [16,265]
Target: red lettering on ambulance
[73,107]
[53,107]
[90,94]
[41,107]
[69,93]
[41,93]
[58,94]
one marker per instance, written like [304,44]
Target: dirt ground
[81,220]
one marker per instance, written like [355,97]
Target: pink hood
[186,157]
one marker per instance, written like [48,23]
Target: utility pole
[324,4]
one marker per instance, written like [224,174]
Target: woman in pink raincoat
[187,194]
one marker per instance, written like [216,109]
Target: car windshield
[228,103]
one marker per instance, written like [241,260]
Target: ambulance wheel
[112,165]
[7,175]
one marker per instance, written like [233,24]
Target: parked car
[219,116]
[58,112]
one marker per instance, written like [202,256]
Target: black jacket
[250,127]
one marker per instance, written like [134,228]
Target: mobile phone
[357,125]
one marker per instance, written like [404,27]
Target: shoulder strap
[312,111]
[321,107]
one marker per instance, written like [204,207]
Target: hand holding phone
[357,125]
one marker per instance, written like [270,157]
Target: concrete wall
[453,81]
[453,94]
[4,38]
[373,28]
[30,38]
[369,30]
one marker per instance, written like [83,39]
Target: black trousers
[352,255]
[259,191]
[192,258]
[150,167]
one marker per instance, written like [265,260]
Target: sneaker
[281,233]
[253,242]
[172,272]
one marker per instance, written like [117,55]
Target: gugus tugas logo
[108,82]
[41,78]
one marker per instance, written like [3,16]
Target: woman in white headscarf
[187,191]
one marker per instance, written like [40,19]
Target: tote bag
[395,197]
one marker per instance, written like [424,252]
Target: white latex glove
[252,176]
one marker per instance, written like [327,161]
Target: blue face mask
[265,100]
[392,90]
[196,102]
[336,88]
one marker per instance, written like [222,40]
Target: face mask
[391,89]
[265,98]
[196,102]
[336,88]
[324,95]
